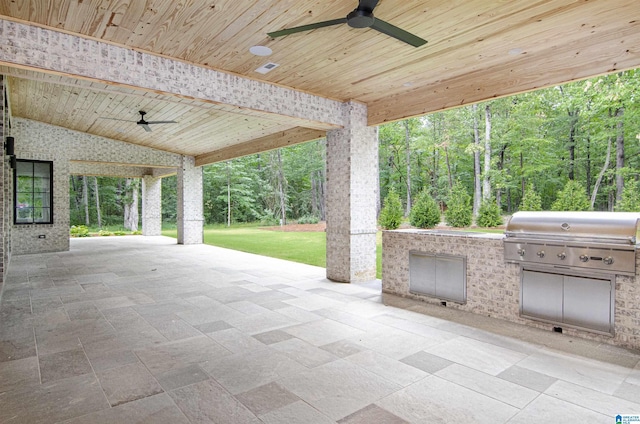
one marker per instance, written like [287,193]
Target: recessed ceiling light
[515,52]
[260,50]
[267,67]
[408,84]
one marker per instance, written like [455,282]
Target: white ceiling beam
[50,51]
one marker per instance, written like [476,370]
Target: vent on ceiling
[267,67]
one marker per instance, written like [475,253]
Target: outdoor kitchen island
[468,271]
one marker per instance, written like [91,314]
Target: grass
[304,247]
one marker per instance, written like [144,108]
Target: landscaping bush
[391,213]
[571,198]
[489,214]
[425,212]
[137,233]
[531,201]
[120,233]
[630,201]
[308,219]
[79,231]
[459,211]
[105,233]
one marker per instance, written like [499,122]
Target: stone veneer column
[151,206]
[352,170]
[190,209]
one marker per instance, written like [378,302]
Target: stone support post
[190,209]
[352,170]
[151,206]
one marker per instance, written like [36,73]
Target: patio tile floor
[141,330]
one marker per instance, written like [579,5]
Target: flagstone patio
[142,330]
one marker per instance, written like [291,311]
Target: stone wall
[493,286]
[38,141]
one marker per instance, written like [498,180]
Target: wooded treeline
[587,132]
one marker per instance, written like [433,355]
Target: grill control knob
[520,252]
[540,254]
[584,258]
[562,256]
[608,260]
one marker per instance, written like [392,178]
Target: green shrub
[79,231]
[571,198]
[489,214]
[630,201]
[120,233]
[459,211]
[137,233]
[425,212]
[308,219]
[105,233]
[391,213]
[531,201]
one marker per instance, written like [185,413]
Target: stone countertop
[453,233]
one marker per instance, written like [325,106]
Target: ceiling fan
[144,124]
[361,17]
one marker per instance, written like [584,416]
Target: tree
[132,185]
[459,212]
[425,212]
[489,214]
[630,201]
[96,193]
[486,181]
[391,213]
[531,200]
[477,184]
[571,198]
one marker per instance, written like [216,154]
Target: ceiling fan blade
[146,127]
[398,33]
[115,119]
[161,122]
[309,27]
[367,4]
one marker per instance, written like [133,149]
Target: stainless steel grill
[601,241]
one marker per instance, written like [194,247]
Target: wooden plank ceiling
[477,50]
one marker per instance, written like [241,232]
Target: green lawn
[305,247]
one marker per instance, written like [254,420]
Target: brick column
[190,209]
[151,206]
[352,170]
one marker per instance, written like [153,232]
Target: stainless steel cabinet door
[587,303]
[450,279]
[542,295]
[422,274]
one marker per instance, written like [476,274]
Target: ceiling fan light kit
[360,17]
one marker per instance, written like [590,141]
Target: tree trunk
[446,154]
[477,185]
[572,143]
[486,183]
[619,154]
[85,200]
[131,205]
[588,167]
[228,193]
[601,174]
[281,190]
[500,167]
[407,147]
[97,195]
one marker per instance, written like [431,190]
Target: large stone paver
[140,329]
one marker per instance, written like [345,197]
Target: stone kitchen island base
[438,267]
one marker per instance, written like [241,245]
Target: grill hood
[599,227]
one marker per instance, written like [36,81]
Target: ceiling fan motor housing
[360,18]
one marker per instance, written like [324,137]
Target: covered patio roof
[133,329]
[190,62]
